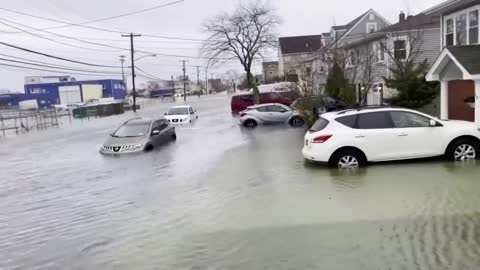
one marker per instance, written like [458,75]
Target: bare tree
[413,46]
[233,78]
[366,58]
[244,35]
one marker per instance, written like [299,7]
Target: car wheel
[296,121]
[148,148]
[347,159]
[174,136]
[463,149]
[250,123]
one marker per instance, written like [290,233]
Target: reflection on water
[223,197]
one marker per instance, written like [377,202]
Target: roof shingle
[468,56]
[300,44]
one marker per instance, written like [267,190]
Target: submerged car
[138,135]
[270,113]
[351,138]
[181,115]
[321,104]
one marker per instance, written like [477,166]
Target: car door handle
[403,135]
[359,137]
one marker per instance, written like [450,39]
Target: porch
[458,71]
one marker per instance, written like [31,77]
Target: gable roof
[465,58]
[300,44]
[420,21]
[450,6]
[417,22]
[468,57]
[351,25]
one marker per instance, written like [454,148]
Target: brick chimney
[401,17]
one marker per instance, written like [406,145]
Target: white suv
[351,138]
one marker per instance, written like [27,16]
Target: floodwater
[222,197]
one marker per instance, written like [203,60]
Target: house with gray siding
[370,59]
[457,67]
[360,27]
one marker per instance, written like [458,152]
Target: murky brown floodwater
[226,198]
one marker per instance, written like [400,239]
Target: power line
[54,71]
[117,16]
[96,28]
[40,36]
[56,67]
[148,74]
[52,56]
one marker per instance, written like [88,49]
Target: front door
[376,137]
[415,137]
[277,114]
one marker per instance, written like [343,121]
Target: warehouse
[68,92]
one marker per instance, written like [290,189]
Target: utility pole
[184,82]
[206,81]
[122,60]
[132,52]
[211,74]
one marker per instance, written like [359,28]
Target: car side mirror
[155,132]
[433,123]
[166,114]
[192,112]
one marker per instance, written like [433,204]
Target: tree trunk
[253,84]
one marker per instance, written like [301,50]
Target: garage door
[92,91]
[69,94]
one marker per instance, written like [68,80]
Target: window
[461,29]
[380,54]
[348,121]
[270,73]
[319,125]
[371,17]
[409,120]
[473,27]
[371,27]
[160,125]
[400,49]
[246,98]
[375,120]
[449,33]
[191,110]
[275,108]
[262,109]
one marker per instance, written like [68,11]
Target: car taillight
[321,138]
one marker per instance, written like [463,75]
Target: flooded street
[222,197]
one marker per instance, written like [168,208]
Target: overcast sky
[183,20]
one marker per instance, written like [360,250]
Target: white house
[458,65]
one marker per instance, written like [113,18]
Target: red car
[241,101]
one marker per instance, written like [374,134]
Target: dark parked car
[240,102]
[137,135]
[321,103]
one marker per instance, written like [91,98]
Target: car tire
[148,148]
[296,121]
[250,123]
[463,149]
[174,136]
[347,159]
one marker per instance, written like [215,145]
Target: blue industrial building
[48,94]
[11,99]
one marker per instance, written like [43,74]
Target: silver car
[138,135]
[269,113]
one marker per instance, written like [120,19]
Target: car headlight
[137,146]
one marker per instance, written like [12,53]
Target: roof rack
[367,107]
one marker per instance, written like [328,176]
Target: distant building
[67,92]
[295,50]
[270,72]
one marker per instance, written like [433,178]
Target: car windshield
[132,130]
[178,110]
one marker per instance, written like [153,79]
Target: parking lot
[225,197]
